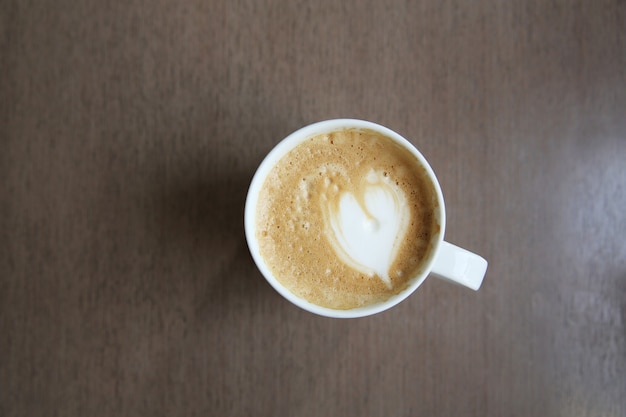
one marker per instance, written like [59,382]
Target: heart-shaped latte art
[366,227]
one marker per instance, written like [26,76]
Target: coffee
[346,218]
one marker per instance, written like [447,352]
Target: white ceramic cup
[445,261]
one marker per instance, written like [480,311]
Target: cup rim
[280,150]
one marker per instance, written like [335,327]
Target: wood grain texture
[129,132]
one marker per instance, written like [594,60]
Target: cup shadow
[203,221]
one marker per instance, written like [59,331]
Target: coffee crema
[346,218]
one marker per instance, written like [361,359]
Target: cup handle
[459,266]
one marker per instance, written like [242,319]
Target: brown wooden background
[129,131]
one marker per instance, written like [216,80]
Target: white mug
[445,261]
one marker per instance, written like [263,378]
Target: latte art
[367,228]
[346,219]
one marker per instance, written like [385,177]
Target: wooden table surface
[129,132]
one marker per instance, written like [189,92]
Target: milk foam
[345,219]
[366,229]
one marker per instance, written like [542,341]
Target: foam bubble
[372,177]
[371,225]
